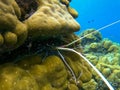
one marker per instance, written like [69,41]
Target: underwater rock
[11,33]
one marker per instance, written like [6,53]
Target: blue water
[98,13]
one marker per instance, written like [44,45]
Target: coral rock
[91,85]
[15,78]
[51,19]
[11,33]
[73,12]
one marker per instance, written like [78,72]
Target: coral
[92,84]
[72,87]
[92,37]
[66,2]
[102,47]
[94,46]
[51,74]
[92,58]
[36,73]
[14,78]
[73,12]
[67,38]
[42,18]
[50,20]
[82,72]
[30,33]
[106,43]
[105,55]
[113,48]
[11,33]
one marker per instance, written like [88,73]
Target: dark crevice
[28,7]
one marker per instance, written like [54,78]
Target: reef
[33,34]
[30,32]
[105,55]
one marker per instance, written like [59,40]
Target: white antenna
[97,71]
[111,24]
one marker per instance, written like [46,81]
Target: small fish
[91,21]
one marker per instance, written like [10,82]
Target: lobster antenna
[96,70]
[106,26]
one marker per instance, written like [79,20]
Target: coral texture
[105,55]
[39,19]
[30,32]
[34,73]
[11,33]
[92,37]
[51,19]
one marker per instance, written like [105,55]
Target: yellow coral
[91,85]
[15,78]
[73,12]
[113,48]
[107,44]
[12,32]
[66,2]
[51,19]
[79,66]
[50,74]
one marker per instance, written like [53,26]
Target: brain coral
[11,33]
